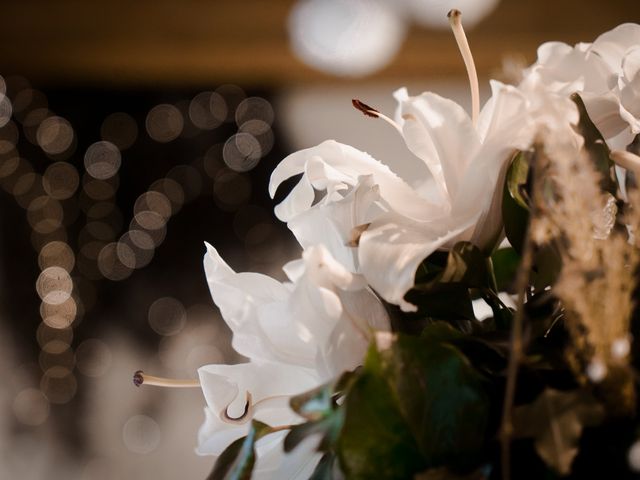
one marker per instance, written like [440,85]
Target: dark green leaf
[418,404]
[515,210]
[596,147]
[555,420]
[376,441]
[517,178]
[445,301]
[441,396]
[329,428]
[326,468]
[238,459]
[505,266]
[466,265]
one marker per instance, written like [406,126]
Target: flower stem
[515,356]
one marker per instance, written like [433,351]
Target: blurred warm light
[164,123]
[433,13]
[345,37]
[102,160]
[233,95]
[141,434]
[262,132]
[54,339]
[241,152]
[55,135]
[110,265]
[254,108]
[100,190]
[60,180]
[152,223]
[135,249]
[58,384]
[60,315]
[207,110]
[57,254]
[120,129]
[167,316]
[172,190]
[54,285]
[93,357]
[44,214]
[31,407]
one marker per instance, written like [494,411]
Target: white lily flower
[452,196]
[604,73]
[297,335]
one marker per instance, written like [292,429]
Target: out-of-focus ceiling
[192,42]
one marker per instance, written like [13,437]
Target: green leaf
[326,468]
[376,441]
[417,405]
[515,209]
[517,178]
[555,420]
[238,459]
[329,428]
[596,147]
[466,265]
[440,394]
[505,265]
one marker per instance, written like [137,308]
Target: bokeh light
[141,434]
[58,384]
[102,160]
[345,37]
[60,180]
[31,407]
[164,123]
[167,316]
[93,357]
[55,135]
[56,254]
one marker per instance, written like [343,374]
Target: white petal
[614,44]
[604,111]
[351,164]
[332,223]
[440,132]
[392,249]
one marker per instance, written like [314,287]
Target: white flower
[451,197]
[604,73]
[297,335]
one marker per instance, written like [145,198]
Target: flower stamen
[627,160]
[246,414]
[373,113]
[455,21]
[141,378]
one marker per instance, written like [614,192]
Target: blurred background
[132,132]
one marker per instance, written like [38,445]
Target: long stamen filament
[626,160]
[140,378]
[373,113]
[455,20]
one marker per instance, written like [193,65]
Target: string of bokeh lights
[64,195]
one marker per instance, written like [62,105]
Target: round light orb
[350,38]
[433,13]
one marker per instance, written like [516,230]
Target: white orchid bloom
[297,335]
[604,73]
[451,197]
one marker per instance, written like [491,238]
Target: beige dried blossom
[596,282]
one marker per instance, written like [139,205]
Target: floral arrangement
[371,361]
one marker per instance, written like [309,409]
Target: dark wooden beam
[199,42]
